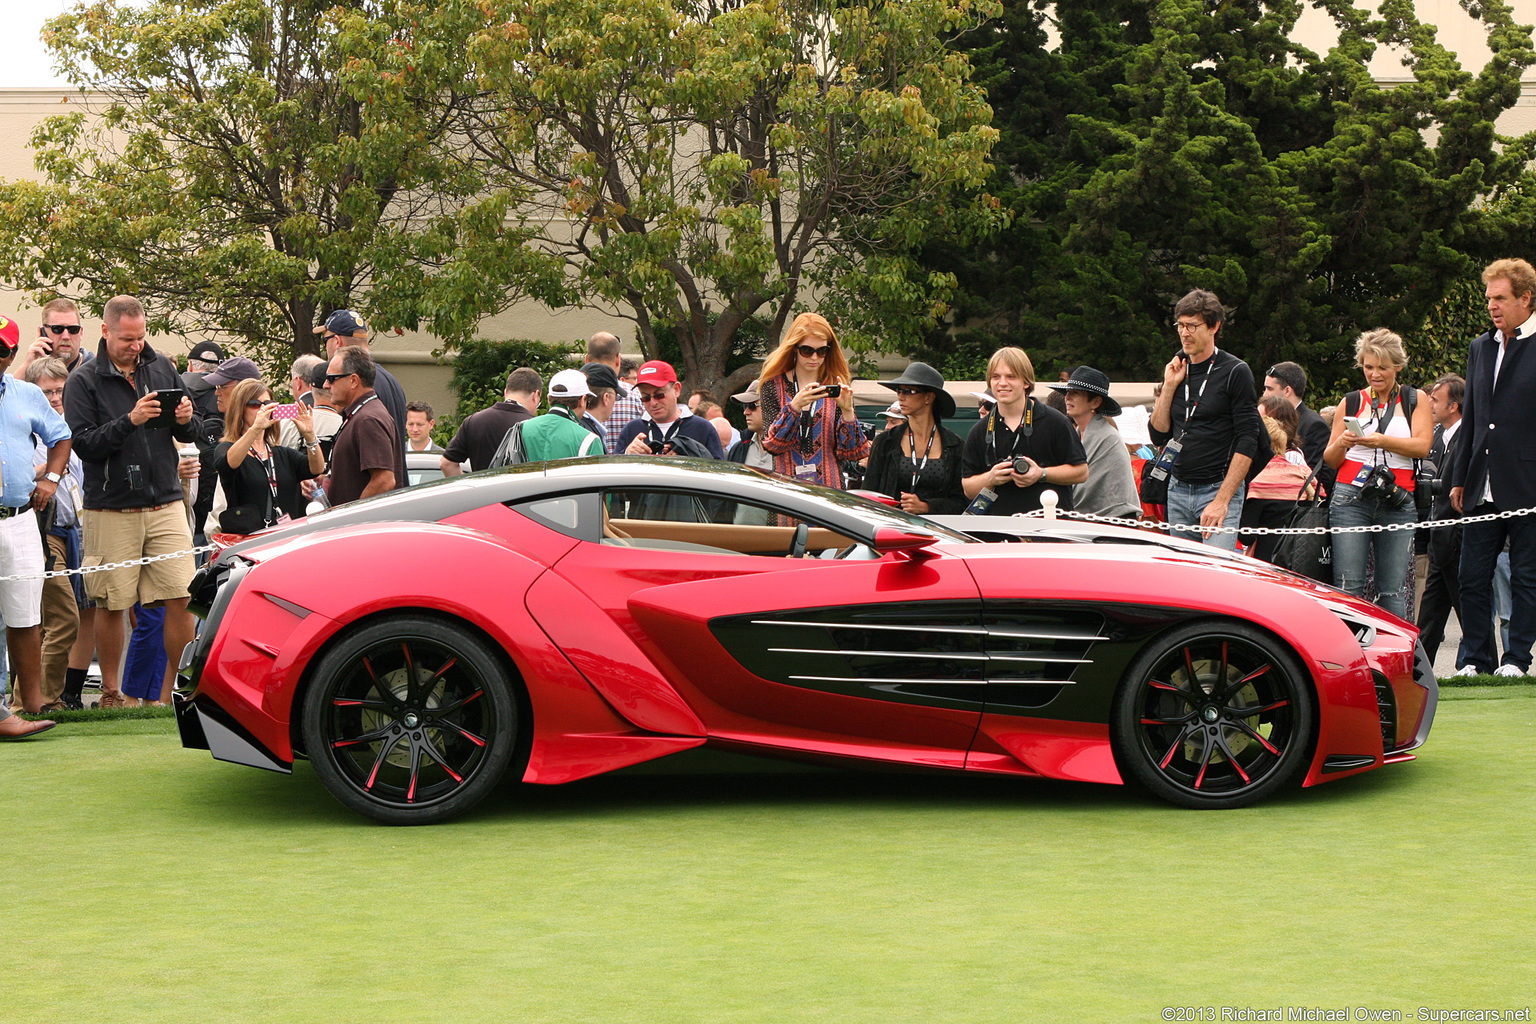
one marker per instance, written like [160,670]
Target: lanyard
[354,412]
[1026,429]
[918,467]
[1189,410]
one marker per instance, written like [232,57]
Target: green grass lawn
[154,884]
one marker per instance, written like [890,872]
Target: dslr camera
[1381,486]
[1022,465]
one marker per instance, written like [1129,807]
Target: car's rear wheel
[410,720]
[1212,715]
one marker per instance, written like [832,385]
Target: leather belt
[7,511]
[146,508]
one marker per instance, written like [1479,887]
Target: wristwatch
[53,477]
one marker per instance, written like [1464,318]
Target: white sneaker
[1464,672]
[1508,671]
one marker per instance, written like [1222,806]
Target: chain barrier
[1282,531]
[84,569]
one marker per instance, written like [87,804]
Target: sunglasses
[63,328]
[813,353]
[911,391]
[750,406]
[257,403]
[653,396]
[332,378]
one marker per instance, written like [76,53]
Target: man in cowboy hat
[1110,489]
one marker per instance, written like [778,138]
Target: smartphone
[169,399]
[1352,424]
[285,412]
[834,390]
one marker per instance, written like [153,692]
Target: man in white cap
[558,434]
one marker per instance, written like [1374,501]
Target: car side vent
[1386,707]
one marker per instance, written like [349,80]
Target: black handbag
[1153,490]
[1308,554]
[246,519]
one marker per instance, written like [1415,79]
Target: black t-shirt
[1052,442]
[1224,420]
[247,485]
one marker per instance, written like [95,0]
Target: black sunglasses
[63,328]
[332,378]
[750,406]
[911,391]
[812,353]
[257,403]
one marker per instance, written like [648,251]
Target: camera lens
[1021,465]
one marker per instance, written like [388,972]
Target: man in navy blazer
[1495,471]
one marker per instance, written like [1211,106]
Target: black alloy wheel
[1213,715]
[410,720]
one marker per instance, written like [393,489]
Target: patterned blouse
[807,446]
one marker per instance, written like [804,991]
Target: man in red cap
[665,421]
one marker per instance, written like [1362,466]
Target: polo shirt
[1054,441]
[367,441]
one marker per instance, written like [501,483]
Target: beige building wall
[424,376]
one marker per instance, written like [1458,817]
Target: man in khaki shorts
[133,494]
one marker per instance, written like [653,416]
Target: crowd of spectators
[112,456]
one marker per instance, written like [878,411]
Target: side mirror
[890,538]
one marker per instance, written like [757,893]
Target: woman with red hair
[807,405]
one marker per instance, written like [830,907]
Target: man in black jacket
[133,494]
[1289,381]
[1442,591]
[1492,471]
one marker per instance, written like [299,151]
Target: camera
[1381,486]
[834,390]
[657,447]
[1022,465]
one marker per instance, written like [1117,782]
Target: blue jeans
[1393,550]
[1503,602]
[1187,501]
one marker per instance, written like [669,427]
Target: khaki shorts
[121,536]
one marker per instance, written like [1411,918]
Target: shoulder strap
[1352,404]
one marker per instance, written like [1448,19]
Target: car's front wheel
[1214,714]
[410,720]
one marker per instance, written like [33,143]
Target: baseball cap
[10,333]
[569,384]
[207,351]
[344,322]
[752,394]
[317,376]
[232,369]
[600,375]
[656,372]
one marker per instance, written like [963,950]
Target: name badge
[806,471]
[1362,476]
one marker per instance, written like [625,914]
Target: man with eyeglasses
[343,328]
[1207,419]
[667,428]
[59,336]
[368,447]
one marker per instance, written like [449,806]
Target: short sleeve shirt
[367,441]
[1053,442]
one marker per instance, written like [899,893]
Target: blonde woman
[260,476]
[1377,433]
[808,418]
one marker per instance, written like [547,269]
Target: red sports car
[558,620]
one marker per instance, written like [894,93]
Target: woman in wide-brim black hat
[918,462]
[1110,489]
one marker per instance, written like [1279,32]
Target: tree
[1162,146]
[692,163]
[257,163]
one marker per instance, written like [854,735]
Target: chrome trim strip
[964,630]
[1014,634]
[934,682]
[926,656]
[876,679]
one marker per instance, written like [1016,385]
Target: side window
[681,521]
[575,515]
